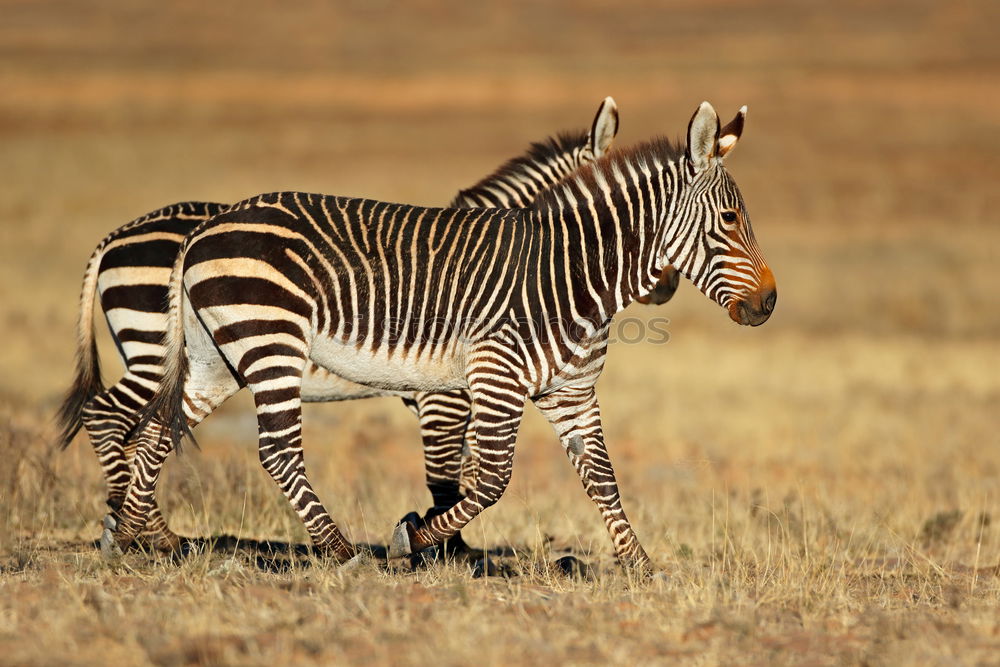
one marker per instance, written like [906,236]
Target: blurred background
[869,167]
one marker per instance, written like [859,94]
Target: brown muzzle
[755,308]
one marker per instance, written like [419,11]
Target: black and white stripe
[130,271]
[509,305]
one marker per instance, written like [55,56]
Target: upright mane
[660,149]
[539,153]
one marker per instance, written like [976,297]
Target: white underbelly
[320,386]
[442,369]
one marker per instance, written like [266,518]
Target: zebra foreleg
[470,463]
[444,420]
[497,414]
[576,417]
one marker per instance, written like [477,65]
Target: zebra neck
[613,225]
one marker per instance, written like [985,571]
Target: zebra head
[716,249]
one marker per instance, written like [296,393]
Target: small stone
[227,567]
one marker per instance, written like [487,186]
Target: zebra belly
[320,385]
[433,370]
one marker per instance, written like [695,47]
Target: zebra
[509,305]
[130,271]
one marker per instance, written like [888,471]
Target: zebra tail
[168,401]
[87,381]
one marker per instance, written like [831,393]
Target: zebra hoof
[488,567]
[190,548]
[110,551]
[399,546]
[574,568]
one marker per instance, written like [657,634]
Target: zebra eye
[729,216]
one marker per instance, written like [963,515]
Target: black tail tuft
[86,385]
[167,407]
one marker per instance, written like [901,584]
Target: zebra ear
[703,137]
[605,127]
[731,133]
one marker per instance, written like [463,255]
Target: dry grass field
[824,489]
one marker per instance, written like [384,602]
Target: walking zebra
[130,270]
[510,305]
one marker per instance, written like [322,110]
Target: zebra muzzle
[755,309]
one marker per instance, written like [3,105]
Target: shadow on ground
[276,556]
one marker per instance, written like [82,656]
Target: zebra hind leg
[208,385]
[108,419]
[156,534]
[152,447]
[277,394]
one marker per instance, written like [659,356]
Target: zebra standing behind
[130,271]
[509,305]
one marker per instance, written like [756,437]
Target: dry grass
[821,490]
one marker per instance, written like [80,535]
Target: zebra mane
[554,148]
[660,149]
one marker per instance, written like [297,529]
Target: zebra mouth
[755,309]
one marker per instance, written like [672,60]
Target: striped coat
[129,272]
[509,305]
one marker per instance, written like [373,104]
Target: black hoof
[190,548]
[455,546]
[573,567]
[450,548]
[487,567]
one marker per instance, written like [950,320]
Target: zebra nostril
[767,303]
[744,312]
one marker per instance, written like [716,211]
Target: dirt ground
[824,489]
